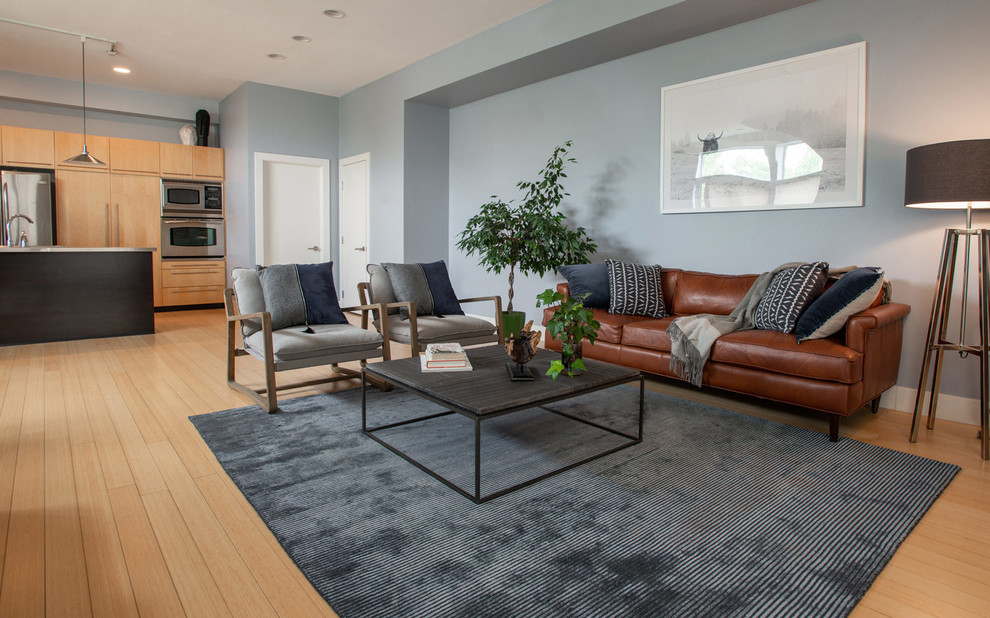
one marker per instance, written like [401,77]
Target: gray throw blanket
[692,337]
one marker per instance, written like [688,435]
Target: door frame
[260,159]
[366,157]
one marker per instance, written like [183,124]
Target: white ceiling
[207,48]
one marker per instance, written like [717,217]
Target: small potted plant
[531,237]
[571,323]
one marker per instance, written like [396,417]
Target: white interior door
[292,209]
[355,206]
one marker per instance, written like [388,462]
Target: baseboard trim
[950,407]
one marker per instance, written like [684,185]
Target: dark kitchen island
[63,293]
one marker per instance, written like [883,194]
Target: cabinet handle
[116,224]
[106,221]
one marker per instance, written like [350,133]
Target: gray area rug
[716,513]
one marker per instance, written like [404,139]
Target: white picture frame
[778,136]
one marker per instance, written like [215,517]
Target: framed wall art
[787,134]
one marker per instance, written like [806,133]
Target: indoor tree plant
[532,236]
[571,323]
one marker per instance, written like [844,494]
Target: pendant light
[84,158]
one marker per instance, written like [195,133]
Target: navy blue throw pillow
[853,292]
[589,281]
[316,281]
[444,298]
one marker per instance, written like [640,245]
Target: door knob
[313,248]
[359,248]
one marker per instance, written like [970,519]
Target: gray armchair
[403,325]
[293,347]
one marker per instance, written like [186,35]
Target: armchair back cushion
[250,297]
[380,287]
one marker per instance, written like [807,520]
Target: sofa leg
[875,404]
[833,427]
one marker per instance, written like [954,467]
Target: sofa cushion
[588,282]
[635,289]
[648,334]
[855,291]
[770,350]
[789,293]
[699,292]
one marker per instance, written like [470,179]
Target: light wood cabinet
[134,156]
[70,144]
[176,160]
[136,218]
[82,208]
[181,161]
[97,209]
[28,147]
[193,282]
[207,162]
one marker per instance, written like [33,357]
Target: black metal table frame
[477,498]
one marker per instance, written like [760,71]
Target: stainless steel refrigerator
[27,207]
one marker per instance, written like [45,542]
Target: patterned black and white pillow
[790,292]
[635,289]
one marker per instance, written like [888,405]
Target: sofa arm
[860,325]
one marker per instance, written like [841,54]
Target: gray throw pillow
[409,284]
[283,295]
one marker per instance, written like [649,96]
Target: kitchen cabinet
[70,144]
[207,162]
[134,156]
[82,208]
[28,147]
[193,282]
[181,161]
[136,216]
[96,209]
[176,160]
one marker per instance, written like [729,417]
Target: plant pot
[567,360]
[512,322]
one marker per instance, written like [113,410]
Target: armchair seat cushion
[292,343]
[433,329]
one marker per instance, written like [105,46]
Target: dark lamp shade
[948,175]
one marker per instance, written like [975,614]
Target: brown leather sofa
[838,375]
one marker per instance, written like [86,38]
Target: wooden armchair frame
[415,349]
[267,397]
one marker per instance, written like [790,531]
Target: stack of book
[445,357]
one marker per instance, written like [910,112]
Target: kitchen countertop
[61,249]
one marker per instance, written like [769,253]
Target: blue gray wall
[925,62]
[270,119]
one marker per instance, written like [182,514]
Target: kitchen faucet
[23,237]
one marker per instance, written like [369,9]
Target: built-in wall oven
[192,219]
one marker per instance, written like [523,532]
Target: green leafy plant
[571,323]
[533,236]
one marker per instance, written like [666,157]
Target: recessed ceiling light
[301,39]
[276,56]
[122,69]
[334,13]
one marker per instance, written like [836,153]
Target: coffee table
[486,393]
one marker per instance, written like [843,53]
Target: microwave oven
[186,198]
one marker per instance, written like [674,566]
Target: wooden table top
[487,389]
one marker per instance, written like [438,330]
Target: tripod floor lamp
[954,175]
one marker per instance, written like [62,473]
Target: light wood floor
[112,505]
